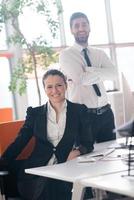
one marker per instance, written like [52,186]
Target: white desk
[72,171]
[110,182]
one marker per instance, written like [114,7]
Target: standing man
[86,68]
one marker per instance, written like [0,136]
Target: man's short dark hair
[77,15]
[53,72]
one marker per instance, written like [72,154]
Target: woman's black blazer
[77,131]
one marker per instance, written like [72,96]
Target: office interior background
[111,29]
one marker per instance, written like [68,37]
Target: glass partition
[125,60]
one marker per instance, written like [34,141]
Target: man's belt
[100,110]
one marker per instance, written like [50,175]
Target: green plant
[38,48]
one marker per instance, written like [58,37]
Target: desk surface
[73,170]
[117,182]
[104,173]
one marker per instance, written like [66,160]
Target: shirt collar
[79,47]
[50,108]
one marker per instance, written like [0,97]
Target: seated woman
[62,133]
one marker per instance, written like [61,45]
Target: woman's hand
[73,154]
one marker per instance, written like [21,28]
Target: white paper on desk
[95,156]
[89,158]
[115,145]
[85,160]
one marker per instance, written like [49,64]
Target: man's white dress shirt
[81,77]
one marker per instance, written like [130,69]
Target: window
[39,28]
[3,44]
[122,17]
[121,44]
[5,95]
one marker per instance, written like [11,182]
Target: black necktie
[95,86]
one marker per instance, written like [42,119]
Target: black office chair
[8,186]
[8,132]
[2,175]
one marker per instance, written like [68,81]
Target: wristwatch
[82,149]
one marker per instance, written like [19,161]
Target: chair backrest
[8,133]
[6,114]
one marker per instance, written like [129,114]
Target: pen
[107,153]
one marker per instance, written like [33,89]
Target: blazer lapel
[69,117]
[70,123]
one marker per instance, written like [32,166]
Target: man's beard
[81,40]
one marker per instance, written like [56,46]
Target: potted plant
[38,52]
